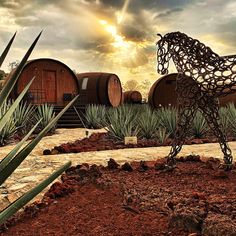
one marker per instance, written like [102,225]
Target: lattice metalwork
[212,76]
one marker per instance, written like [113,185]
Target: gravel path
[37,166]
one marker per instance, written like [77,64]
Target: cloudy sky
[113,35]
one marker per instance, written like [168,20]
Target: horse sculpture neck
[188,52]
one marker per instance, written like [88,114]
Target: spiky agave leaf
[16,161]
[12,81]
[6,160]
[9,113]
[22,201]
[4,54]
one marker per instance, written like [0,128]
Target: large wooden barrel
[132,97]
[163,93]
[55,83]
[99,88]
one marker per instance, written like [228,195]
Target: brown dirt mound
[195,197]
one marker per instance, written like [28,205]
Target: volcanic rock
[127,167]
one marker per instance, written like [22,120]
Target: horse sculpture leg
[187,92]
[185,118]
[210,109]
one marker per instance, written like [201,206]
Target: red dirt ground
[102,141]
[195,198]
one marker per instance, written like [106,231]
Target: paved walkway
[37,167]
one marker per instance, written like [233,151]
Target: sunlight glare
[118,39]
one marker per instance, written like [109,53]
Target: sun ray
[119,40]
[121,16]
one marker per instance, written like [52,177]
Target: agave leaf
[4,54]
[19,203]
[9,113]
[12,81]
[11,154]
[16,161]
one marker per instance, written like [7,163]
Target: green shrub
[95,116]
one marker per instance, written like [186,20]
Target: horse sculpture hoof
[171,161]
[226,167]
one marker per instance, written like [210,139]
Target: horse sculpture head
[163,56]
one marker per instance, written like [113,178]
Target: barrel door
[49,83]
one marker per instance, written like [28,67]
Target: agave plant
[231,111]
[168,119]
[121,122]
[9,128]
[22,116]
[11,161]
[45,113]
[162,135]
[148,123]
[224,119]
[95,116]
[199,125]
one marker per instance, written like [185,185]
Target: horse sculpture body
[212,76]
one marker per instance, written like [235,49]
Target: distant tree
[145,87]
[13,65]
[132,85]
[2,75]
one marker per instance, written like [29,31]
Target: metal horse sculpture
[212,76]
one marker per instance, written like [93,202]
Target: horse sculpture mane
[197,50]
[212,76]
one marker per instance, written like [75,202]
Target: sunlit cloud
[115,36]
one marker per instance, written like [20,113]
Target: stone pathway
[37,167]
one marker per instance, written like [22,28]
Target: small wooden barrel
[99,88]
[132,97]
